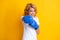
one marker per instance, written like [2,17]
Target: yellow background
[48,14]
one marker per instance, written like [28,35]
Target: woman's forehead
[32,9]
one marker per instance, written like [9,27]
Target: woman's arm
[38,31]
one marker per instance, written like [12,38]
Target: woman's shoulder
[36,17]
[21,17]
[37,20]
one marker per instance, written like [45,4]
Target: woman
[29,32]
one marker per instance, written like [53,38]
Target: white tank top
[29,32]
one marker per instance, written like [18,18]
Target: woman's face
[32,11]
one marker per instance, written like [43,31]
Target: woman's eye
[30,10]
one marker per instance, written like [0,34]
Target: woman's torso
[29,32]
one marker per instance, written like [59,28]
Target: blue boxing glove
[26,19]
[30,21]
[33,24]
